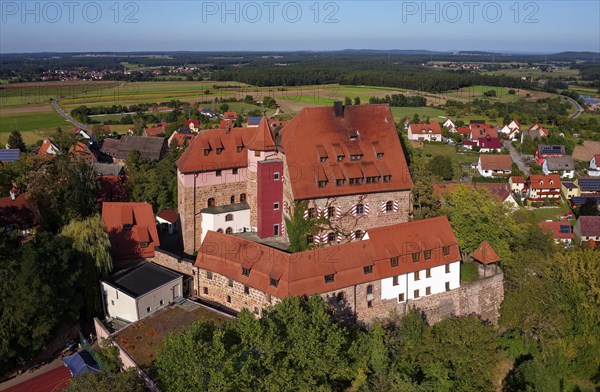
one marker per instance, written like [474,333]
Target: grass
[31,121]
[544,214]
[474,92]
[430,150]
[469,272]
[535,73]
[424,111]
[23,94]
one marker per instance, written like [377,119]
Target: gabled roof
[195,123]
[589,225]
[560,163]
[589,184]
[304,273]
[10,155]
[559,230]
[83,152]
[142,279]
[485,254]
[482,131]
[516,180]
[318,128]
[48,148]
[110,146]
[126,242]
[108,169]
[432,128]
[170,216]
[154,131]
[540,181]
[489,142]
[201,155]
[546,149]
[16,212]
[151,148]
[262,140]
[496,162]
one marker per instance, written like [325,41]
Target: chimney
[13,195]
[227,128]
[338,108]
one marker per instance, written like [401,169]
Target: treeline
[400,100]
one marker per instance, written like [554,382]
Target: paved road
[578,108]
[67,117]
[517,158]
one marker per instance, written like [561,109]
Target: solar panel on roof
[565,229]
[10,155]
[589,184]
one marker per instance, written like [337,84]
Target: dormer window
[354,135]
[339,182]
[143,244]
[219,150]
[340,158]
[274,282]
[322,184]
[387,178]
[379,155]
[127,227]
[239,148]
[206,151]
[368,269]
[246,271]
[355,157]
[329,278]
[394,261]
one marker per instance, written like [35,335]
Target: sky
[544,26]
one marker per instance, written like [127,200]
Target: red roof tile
[432,127]
[16,212]
[589,225]
[47,149]
[318,129]
[485,254]
[540,181]
[169,215]
[496,162]
[304,273]
[489,142]
[262,140]
[125,243]
[555,229]
[82,151]
[154,131]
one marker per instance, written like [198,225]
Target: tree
[108,357]
[224,107]
[347,101]
[425,203]
[15,140]
[298,227]
[357,101]
[441,166]
[127,381]
[89,238]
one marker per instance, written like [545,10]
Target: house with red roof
[81,151]
[561,232]
[494,165]
[430,132]
[156,131]
[536,131]
[543,188]
[489,144]
[230,115]
[48,149]
[390,267]
[16,214]
[587,228]
[517,184]
[131,228]
[192,125]
[482,131]
[594,168]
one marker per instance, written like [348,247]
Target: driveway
[517,158]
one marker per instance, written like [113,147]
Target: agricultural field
[434,114]
[21,95]
[33,126]
[536,73]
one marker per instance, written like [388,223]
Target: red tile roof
[304,273]
[590,226]
[154,131]
[496,162]
[262,140]
[485,254]
[194,159]
[540,181]
[125,243]
[463,130]
[82,151]
[318,129]
[230,115]
[489,142]
[169,215]
[597,156]
[47,149]
[425,128]
[194,122]
[17,213]
[554,229]
[517,180]
[483,131]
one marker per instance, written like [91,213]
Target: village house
[594,168]
[494,165]
[536,131]
[48,149]
[587,228]
[156,131]
[587,189]
[131,228]
[430,132]
[517,184]
[563,166]
[345,162]
[81,151]
[139,291]
[449,125]
[561,231]
[16,214]
[544,151]
[569,190]
[482,131]
[192,125]
[181,137]
[543,188]
[489,144]
[150,148]
[387,269]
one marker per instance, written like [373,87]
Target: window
[228,230]
[112,301]
[219,150]
[387,178]
[228,217]
[355,157]
[274,282]
[394,261]
[370,289]
[242,197]
[229,299]
[211,202]
[428,290]
[447,268]
[339,182]
[329,278]
[246,290]
[395,280]
[220,231]
[143,244]
[148,309]
[161,302]
[379,155]
[218,173]
[276,176]
[416,294]
[246,271]
[234,171]
[389,206]
[321,184]
[447,286]
[330,212]
[209,275]
[206,151]
[416,275]
[256,311]
[256,153]
[309,239]
[358,234]
[230,283]
[446,250]
[368,269]
[427,254]
[232,199]
[401,297]
[340,296]
[369,304]
[127,227]
[205,290]
[275,206]
[275,229]
[360,209]
[340,158]
[428,273]
[330,237]
[415,257]
[311,212]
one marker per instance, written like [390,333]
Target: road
[67,117]
[578,108]
[517,158]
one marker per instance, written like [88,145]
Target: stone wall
[180,264]
[185,204]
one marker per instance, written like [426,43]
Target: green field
[474,92]
[424,111]
[31,121]
[544,214]
[535,73]
[430,150]
[20,95]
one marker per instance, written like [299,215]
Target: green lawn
[478,92]
[430,150]
[535,73]
[424,111]
[19,95]
[31,121]
[544,214]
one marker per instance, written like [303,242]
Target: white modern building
[229,219]
[421,283]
